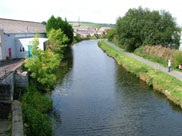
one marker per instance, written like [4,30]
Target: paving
[6,68]
[173,73]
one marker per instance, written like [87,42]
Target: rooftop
[18,26]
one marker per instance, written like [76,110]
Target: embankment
[160,81]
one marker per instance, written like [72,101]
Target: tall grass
[160,55]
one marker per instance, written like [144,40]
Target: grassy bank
[161,82]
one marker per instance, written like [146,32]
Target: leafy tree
[141,27]
[42,66]
[51,24]
[57,40]
[58,23]
[77,38]
[110,34]
[44,22]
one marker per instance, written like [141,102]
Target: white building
[12,33]
[23,44]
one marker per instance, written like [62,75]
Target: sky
[98,11]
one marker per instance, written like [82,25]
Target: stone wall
[21,79]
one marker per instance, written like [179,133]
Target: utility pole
[79,21]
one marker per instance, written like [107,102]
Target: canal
[97,97]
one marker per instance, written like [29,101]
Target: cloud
[96,10]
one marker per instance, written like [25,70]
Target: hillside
[91,24]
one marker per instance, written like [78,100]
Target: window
[22,49]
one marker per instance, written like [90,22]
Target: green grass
[162,82]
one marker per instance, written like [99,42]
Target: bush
[35,106]
[38,101]
[111,33]
[42,69]
[36,123]
[77,38]
[177,58]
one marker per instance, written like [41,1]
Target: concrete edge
[17,120]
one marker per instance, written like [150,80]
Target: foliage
[77,38]
[58,23]
[92,37]
[42,66]
[177,58]
[111,33]
[160,55]
[162,82]
[35,106]
[57,40]
[44,22]
[37,124]
[144,27]
[38,101]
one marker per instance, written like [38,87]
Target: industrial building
[16,35]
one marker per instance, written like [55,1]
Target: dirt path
[174,73]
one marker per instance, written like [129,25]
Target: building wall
[9,80]
[2,50]
[10,42]
[22,46]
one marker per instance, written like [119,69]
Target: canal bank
[96,96]
[160,81]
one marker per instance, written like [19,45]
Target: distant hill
[91,24]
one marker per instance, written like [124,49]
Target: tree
[110,34]
[57,40]
[42,66]
[44,22]
[58,23]
[144,27]
[51,24]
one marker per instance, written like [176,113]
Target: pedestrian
[169,65]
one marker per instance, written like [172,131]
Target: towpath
[174,73]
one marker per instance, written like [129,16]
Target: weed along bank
[160,81]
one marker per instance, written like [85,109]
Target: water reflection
[98,97]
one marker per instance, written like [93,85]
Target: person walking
[169,65]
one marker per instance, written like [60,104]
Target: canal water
[97,97]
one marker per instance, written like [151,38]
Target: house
[103,30]
[15,35]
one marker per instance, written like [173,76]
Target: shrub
[42,68]
[35,105]
[38,101]
[37,124]
[111,33]
[177,58]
